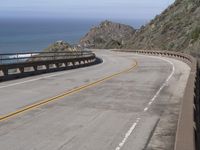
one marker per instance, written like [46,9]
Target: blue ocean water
[21,35]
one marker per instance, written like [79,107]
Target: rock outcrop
[107,35]
[61,46]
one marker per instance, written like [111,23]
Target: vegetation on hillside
[177,29]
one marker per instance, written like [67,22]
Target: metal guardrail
[188,128]
[12,58]
[14,65]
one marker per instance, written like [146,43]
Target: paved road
[127,102]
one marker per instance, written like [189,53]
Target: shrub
[195,34]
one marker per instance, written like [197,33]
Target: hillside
[177,28]
[107,35]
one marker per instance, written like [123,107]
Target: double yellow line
[67,93]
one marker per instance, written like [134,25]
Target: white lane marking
[150,103]
[36,79]
[166,81]
[127,134]
[145,109]
[31,80]
[130,131]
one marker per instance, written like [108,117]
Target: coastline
[24,35]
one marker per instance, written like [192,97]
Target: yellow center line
[67,93]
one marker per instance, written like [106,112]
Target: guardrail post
[5,71]
[57,65]
[21,69]
[65,63]
[47,66]
[35,68]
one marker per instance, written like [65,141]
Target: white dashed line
[150,103]
[146,108]
[130,131]
[127,134]
[32,80]
[166,81]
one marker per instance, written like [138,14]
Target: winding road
[129,102]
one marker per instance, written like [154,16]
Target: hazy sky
[129,9]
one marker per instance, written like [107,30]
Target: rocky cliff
[107,35]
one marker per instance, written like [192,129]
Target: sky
[86,9]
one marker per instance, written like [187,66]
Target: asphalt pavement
[129,102]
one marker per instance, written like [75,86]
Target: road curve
[128,102]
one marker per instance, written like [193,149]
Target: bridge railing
[9,58]
[188,128]
[15,65]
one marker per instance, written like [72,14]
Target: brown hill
[107,35]
[177,28]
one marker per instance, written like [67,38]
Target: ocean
[25,35]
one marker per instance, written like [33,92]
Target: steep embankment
[177,28]
[107,35]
